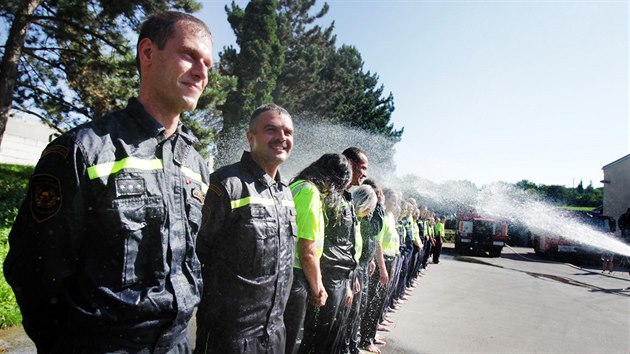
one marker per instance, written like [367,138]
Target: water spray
[497,200]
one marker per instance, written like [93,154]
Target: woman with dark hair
[317,188]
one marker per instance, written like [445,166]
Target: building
[24,141]
[617,187]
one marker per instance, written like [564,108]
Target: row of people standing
[409,238]
[351,266]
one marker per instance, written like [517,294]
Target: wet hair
[377,189]
[262,109]
[355,154]
[160,27]
[370,182]
[364,199]
[331,174]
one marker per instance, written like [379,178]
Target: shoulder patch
[55,149]
[45,197]
[215,189]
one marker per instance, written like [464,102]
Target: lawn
[13,184]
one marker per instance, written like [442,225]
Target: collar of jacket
[152,126]
[259,173]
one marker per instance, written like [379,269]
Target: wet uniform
[371,304]
[338,262]
[102,252]
[246,248]
[370,236]
[310,223]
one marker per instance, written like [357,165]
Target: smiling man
[246,244]
[102,252]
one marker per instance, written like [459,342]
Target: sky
[491,91]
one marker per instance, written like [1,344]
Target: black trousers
[295,310]
[350,339]
[428,249]
[418,263]
[322,324]
[374,303]
[437,250]
[402,278]
[391,287]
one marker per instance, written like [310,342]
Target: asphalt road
[513,304]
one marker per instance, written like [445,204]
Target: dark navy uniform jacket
[246,246]
[103,247]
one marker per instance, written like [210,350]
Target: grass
[13,187]
[9,311]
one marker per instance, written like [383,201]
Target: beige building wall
[617,187]
[24,141]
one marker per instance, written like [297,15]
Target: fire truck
[552,245]
[481,235]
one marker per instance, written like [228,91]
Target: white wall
[617,187]
[24,141]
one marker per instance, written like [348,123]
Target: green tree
[308,46]
[580,188]
[316,82]
[353,97]
[256,66]
[527,185]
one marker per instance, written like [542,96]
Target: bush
[9,311]
[13,188]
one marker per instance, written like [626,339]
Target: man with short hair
[359,162]
[102,254]
[246,244]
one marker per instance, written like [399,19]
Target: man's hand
[384,277]
[319,298]
[371,267]
[349,296]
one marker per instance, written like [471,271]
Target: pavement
[14,340]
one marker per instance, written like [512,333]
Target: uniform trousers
[322,324]
[295,310]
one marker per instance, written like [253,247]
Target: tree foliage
[579,196]
[258,64]
[314,80]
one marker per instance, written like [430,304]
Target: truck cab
[481,235]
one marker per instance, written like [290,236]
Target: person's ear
[146,50]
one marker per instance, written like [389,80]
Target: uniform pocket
[141,221]
[257,241]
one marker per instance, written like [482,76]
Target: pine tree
[256,66]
